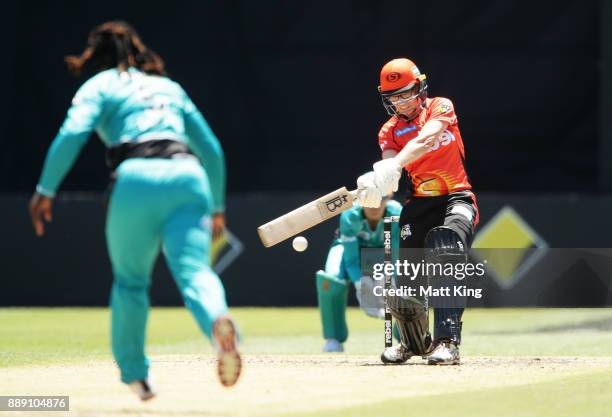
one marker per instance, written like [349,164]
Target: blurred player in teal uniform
[359,228]
[168,192]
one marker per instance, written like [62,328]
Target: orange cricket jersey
[440,171]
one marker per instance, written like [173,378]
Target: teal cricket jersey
[132,106]
[355,233]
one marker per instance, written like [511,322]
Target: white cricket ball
[300,243]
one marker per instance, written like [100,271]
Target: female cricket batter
[441,214]
[168,174]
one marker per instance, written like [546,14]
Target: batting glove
[369,194]
[387,174]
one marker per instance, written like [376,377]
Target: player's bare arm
[40,211]
[428,137]
[387,172]
[218,224]
[384,179]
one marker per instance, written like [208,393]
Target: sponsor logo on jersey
[405,232]
[445,138]
[405,130]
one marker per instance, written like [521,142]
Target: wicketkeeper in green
[359,228]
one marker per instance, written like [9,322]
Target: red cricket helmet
[401,83]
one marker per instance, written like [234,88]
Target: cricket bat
[307,216]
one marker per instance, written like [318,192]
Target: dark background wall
[69,265]
[290,87]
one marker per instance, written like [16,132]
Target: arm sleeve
[205,145]
[81,119]
[349,228]
[442,109]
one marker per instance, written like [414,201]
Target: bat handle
[354,194]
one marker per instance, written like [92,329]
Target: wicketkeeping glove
[372,305]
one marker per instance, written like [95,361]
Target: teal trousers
[158,204]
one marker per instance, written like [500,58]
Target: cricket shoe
[143,389]
[445,353]
[332,345]
[229,363]
[396,354]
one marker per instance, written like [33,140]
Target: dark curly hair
[115,44]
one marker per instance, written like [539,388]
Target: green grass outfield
[583,395]
[50,336]
[34,336]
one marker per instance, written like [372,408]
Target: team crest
[443,108]
[405,232]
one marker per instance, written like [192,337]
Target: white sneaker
[229,363]
[396,354]
[332,345]
[143,389]
[445,353]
